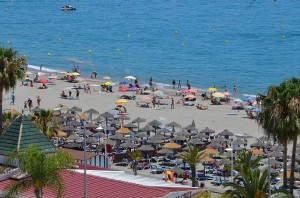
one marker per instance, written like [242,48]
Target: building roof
[79,155]
[19,135]
[98,186]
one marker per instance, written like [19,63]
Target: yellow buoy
[90,52]
[24,55]
[282,37]
[49,54]
[182,44]
[176,32]
[226,41]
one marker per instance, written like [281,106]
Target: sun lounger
[219,181]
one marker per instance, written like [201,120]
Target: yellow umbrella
[211,151]
[207,159]
[108,83]
[212,89]
[172,145]
[218,95]
[256,151]
[121,101]
[124,131]
[76,74]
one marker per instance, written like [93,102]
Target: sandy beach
[216,117]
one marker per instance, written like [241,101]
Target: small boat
[68,8]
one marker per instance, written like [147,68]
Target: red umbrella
[43,80]
[192,90]
[123,89]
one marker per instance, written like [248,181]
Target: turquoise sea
[206,42]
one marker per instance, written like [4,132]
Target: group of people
[188,85]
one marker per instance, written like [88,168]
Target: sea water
[208,43]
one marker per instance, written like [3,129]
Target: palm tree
[43,171]
[280,118]
[244,160]
[135,156]
[12,69]
[42,119]
[193,156]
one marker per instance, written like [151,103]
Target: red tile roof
[100,187]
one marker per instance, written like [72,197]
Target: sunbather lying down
[202,107]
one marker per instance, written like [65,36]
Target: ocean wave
[44,69]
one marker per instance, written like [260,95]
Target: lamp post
[105,149]
[231,150]
[245,135]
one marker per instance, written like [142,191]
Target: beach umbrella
[229,154]
[157,93]
[99,135]
[190,127]
[256,151]
[141,135]
[238,141]
[223,162]
[42,80]
[163,131]
[81,116]
[106,77]
[189,97]
[77,109]
[257,144]
[220,139]
[123,83]
[195,142]
[265,138]
[74,137]
[155,141]
[91,112]
[226,133]
[121,101]
[237,100]
[90,125]
[146,148]
[272,162]
[165,151]
[201,135]
[207,130]
[147,128]
[214,145]
[179,138]
[91,140]
[159,137]
[237,148]
[212,89]
[278,148]
[130,77]
[275,154]
[243,135]
[116,137]
[109,83]
[155,124]
[106,116]
[183,133]
[87,132]
[60,119]
[226,93]
[207,159]
[211,151]
[109,142]
[123,131]
[139,120]
[74,123]
[130,125]
[173,124]
[109,128]
[172,145]
[128,144]
[218,95]
[115,122]
[75,74]
[61,134]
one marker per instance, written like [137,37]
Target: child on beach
[13,98]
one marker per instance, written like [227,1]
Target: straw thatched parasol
[108,141]
[211,151]
[123,131]
[139,120]
[107,115]
[214,145]
[159,137]
[146,148]
[172,145]
[226,133]
[91,140]
[238,141]
[207,159]
[116,137]
[220,139]
[179,138]
[163,131]
[128,144]
[275,154]
[81,116]
[155,124]
[183,133]
[67,128]
[122,117]
[87,132]
[201,135]
[278,148]
[130,125]
[147,128]
[141,134]
[195,142]
[61,134]
[155,141]
[257,144]
[207,130]
[173,124]
[99,135]
[224,162]
[77,109]
[165,151]
[90,125]
[74,123]
[74,137]
[256,151]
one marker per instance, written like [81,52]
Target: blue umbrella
[123,83]
[131,89]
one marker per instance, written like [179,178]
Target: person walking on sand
[77,94]
[179,85]
[41,67]
[70,93]
[38,100]
[174,83]
[234,90]
[29,102]
[172,103]
[88,89]
[13,98]
[25,105]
